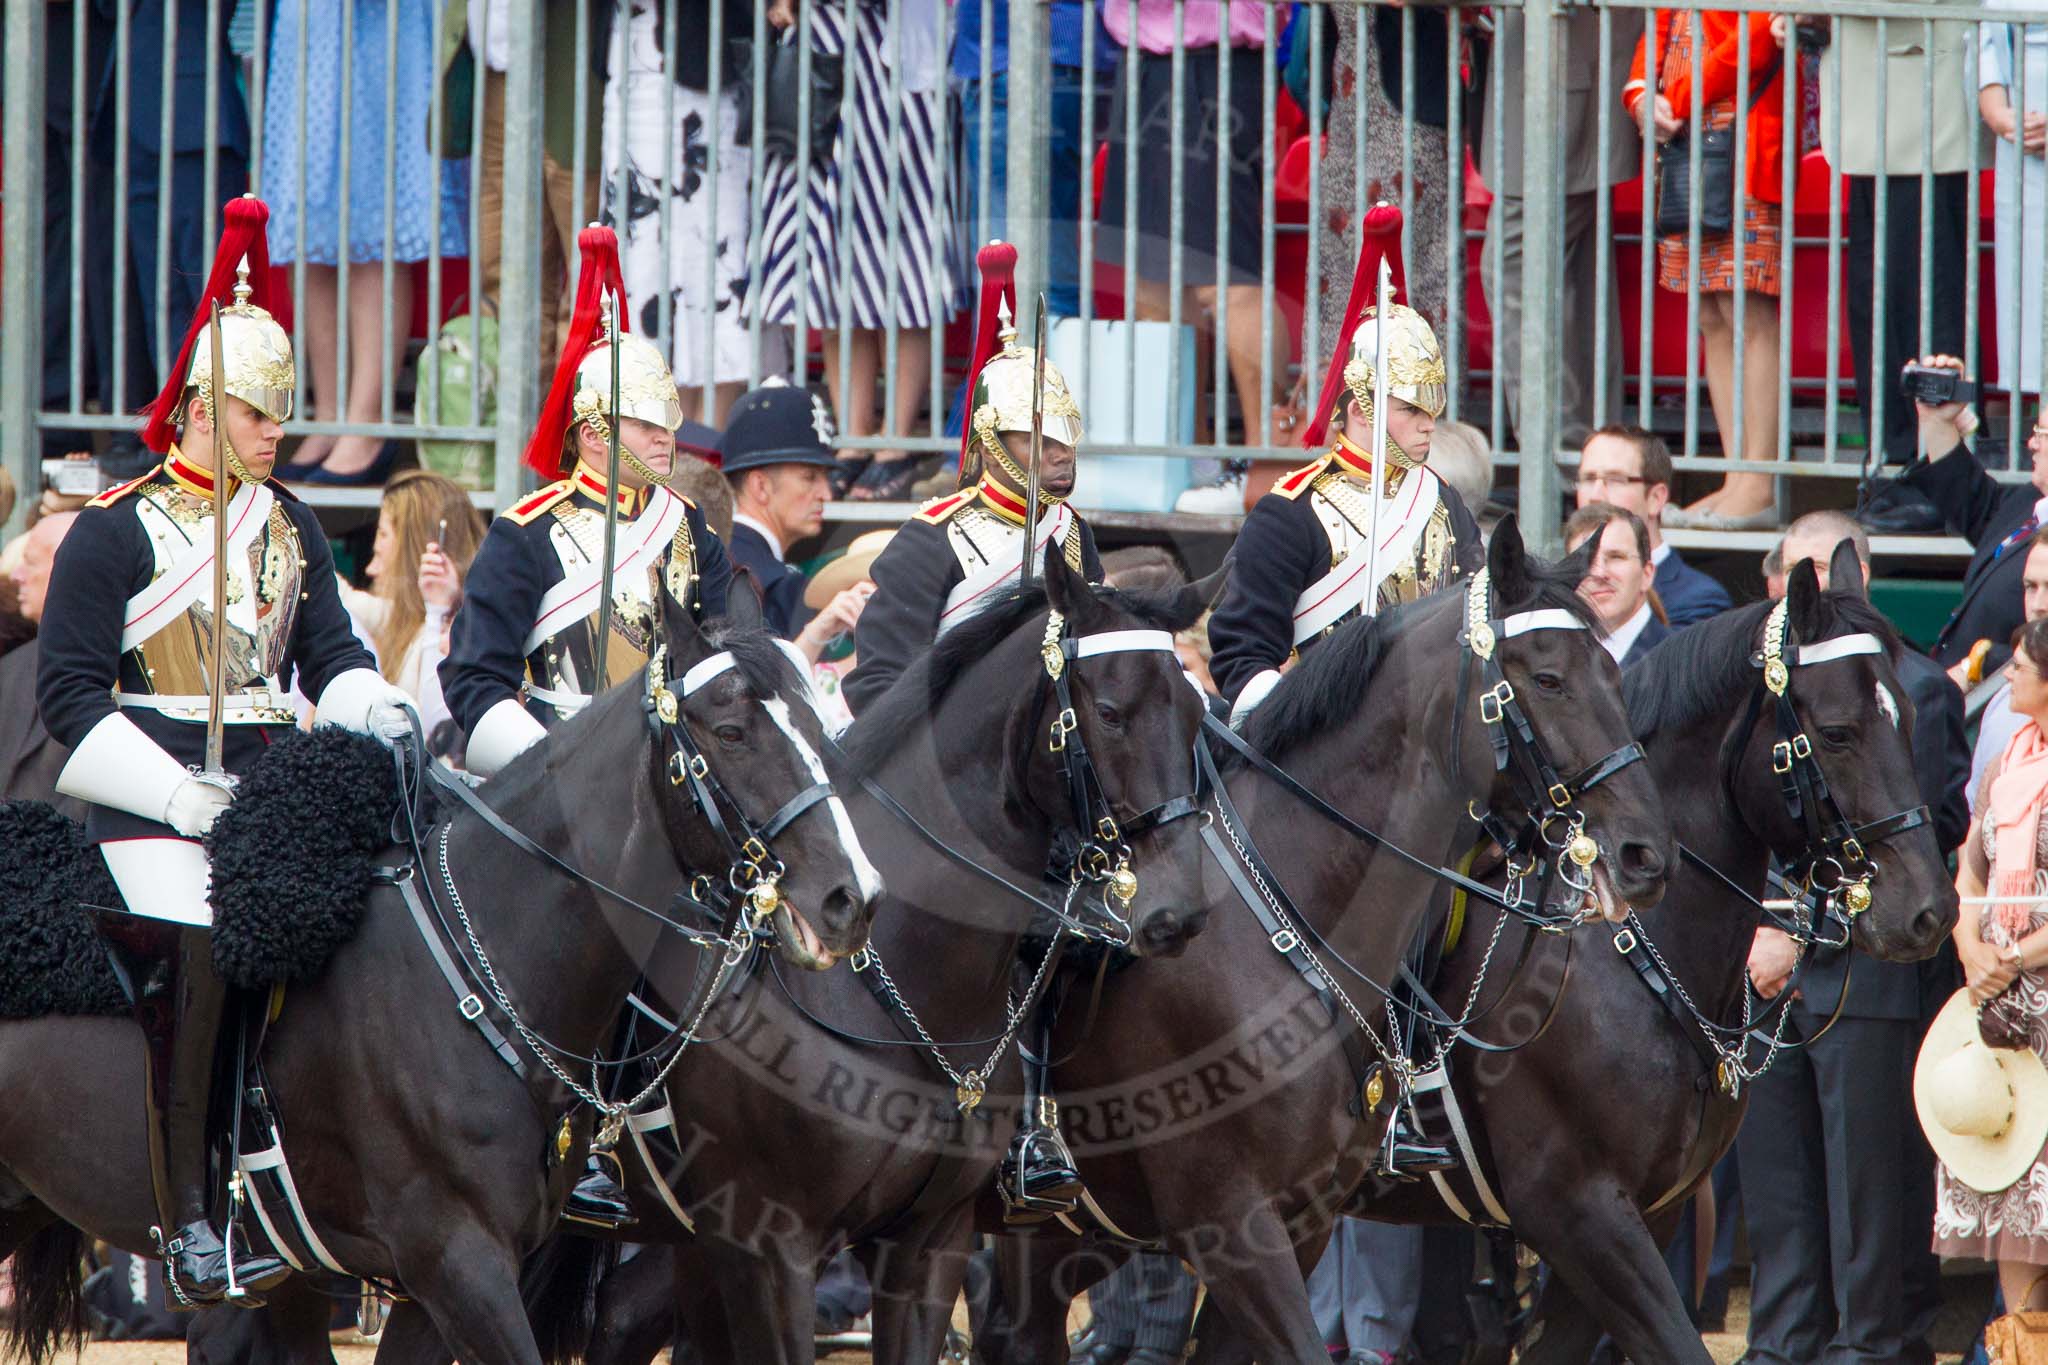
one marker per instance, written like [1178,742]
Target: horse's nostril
[1642,861]
[1931,923]
[842,906]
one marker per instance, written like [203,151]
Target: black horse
[1593,1136]
[420,1155]
[1207,1097]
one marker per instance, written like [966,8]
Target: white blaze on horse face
[1888,704]
[864,871]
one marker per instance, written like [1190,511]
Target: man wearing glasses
[1630,468]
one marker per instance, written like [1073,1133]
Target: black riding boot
[167,970]
[1413,1148]
[599,1198]
[1038,1178]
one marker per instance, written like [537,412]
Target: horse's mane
[763,665]
[908,702]
[1704,670]
[1328,686]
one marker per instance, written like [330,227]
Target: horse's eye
[1837,735]
[1549,682]
[731,734]
[1109,715]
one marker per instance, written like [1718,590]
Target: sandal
[848,472]
[886,480]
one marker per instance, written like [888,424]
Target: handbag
[1717,170]
[782,80]
[2021,1336]
[2002,1022]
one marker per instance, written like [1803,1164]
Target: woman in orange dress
[1704,49]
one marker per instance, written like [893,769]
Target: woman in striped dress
[860,238]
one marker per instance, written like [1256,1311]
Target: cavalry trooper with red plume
[1305,560]
[1303,557]
[183,608]
[528,641]
[958,551]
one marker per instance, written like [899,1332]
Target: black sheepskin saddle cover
[294,856]
[51,961]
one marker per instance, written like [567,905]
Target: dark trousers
[1147,1304]
[1825,1166]
[1900,342]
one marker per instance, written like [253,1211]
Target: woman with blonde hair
[427,533]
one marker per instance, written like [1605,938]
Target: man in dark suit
[777,458]
[1618,583]
[1630,467]
[1837,1183]
[1997,518]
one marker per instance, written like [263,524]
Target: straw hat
[1984,1110]
[847,570]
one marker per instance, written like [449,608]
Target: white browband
[1122,642]
[704,670]
[1550,618]
[1829,650]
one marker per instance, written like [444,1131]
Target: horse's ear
[1190,600]
[1802,596]
[1845,570]
[1507,561]
[1576,565]
[743,609]
[679,626]
[1066,591]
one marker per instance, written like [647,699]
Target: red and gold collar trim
[591,484]
[1348,458]
[1006,504]
[189,476]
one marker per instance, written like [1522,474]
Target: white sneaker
[1225,497]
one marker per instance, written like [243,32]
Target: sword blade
[1037,443]
[217,664]
[1379,440]
[611,519]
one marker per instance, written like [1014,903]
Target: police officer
[524,644]
[953,556]
[776,454]
[1302,557]
[131,640]
[524,648]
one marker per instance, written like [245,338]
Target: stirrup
[1038,1157]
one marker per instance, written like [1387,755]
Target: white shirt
[490,32]
[1623,636]
[760,529]
[1658,554]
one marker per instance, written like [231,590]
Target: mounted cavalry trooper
[132,662]
[1302,559]
[1304,562]
[960,550]
[525,646]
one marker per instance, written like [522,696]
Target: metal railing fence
[1192,203]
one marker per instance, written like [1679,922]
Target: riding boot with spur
[166,969]
[1038,1178]
[599,1200]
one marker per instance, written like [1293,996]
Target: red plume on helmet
[599,248]
[241,236]
[998,265]
[1379,237]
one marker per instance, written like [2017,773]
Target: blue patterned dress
[373,70]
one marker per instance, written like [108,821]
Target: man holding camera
[1997,518]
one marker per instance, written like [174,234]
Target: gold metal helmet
[255,352]
[1002,402]
[647,390]
[1415,363]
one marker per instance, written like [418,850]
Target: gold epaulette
[939,509]
[520,513]
[122,490]
[1295,482]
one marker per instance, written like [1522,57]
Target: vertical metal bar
[477,109]
[714,123]
[579,155]
[757,172]
[124,263]
[79,175]
[1176,219]
[1788,219]
[1219,422]
[2019,317]
[343,249]
[1028,121]
[892,233]
[1874,453]
[1407,133]
[843,155]
[1695,121]
[1646,329]
[427,396]
[934,300]
[1831,421]
[1358,120]
[1268,100]
[1084,275]
[304,373]
[615,103]
[1737,439]
[259,75]
[21,214]
[1972,233]
[1926,262]
[1312,283]
[166,151]
[1603,216]
[1497,416]
[800,188]
[1454,218]
[393,339]
[1134,56]
[519,352]
[1540,167]
[666,325]
[210,173]
[985,116]
[2016,383]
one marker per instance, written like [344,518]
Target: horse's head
[1109,752]
[736,755]
[1557,739]
[1822,764]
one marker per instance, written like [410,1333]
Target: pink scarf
[2018,795]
